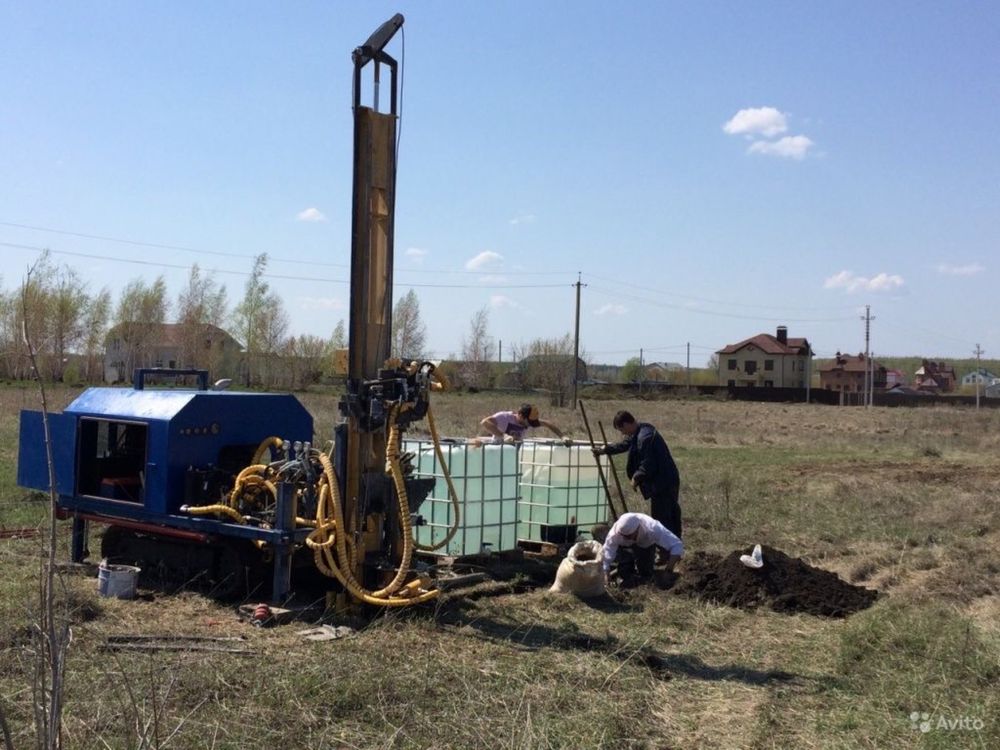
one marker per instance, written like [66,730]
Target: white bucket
[117,580]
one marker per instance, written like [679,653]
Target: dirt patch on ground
[784,584]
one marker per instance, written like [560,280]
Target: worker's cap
[628,524]
[530,413]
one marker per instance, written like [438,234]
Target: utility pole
[499,351]
[689,367]
[868,379]
[642,374]
[576,340]
[809,373]
[979,370]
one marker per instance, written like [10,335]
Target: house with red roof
[766,361]
[847,373]
[934,377]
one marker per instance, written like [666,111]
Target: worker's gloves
[597,451]
[568,442]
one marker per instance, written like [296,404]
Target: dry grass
[902,500]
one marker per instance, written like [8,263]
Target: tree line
[71,327]
[76,331]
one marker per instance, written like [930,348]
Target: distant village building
[847,373]
[935,377]
[982,376]
[766,361]
[662,371]
[171,345]
[552,372]
[894,378]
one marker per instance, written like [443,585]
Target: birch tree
[408,331]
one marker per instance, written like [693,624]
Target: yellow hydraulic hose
[271,442]
[452,495]
[206,510]
[327,553]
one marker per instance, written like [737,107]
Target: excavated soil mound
[785,584]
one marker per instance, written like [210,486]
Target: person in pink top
[510,426]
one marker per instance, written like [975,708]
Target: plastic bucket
[117,580]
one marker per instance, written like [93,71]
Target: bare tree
[408,332]
[270,333]
[548,364]
[339,338]
[68,307]
[307,358]
[478,349]
[51,637]
[201,309]
[141,311]
[247,312]
[96,319]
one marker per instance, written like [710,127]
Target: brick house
[935,377]
[766,361]
[847,374]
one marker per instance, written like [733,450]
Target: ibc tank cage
[535,491]
[561,493]
[486,482]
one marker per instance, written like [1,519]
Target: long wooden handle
[600,471]
[614,471]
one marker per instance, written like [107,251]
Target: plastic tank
[486,480]
[561,491]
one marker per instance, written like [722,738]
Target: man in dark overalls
[650,467]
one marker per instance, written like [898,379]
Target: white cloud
[611,309]
[321,303]
[484,259]
[765,121]
[790,147]
[521,219]
[969,269]
[416,253]
[498,301]
[883,282]
[310,214]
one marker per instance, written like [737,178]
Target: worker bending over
[510,426]
[632,542]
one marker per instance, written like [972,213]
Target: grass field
[902,500]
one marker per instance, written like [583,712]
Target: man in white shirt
[633,540]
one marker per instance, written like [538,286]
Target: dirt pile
[785,584]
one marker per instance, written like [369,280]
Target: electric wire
[285,277]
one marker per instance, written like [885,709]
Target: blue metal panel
[126,403]
[183,429]
[213,420]
[32,463]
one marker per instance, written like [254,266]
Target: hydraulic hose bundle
[254,497]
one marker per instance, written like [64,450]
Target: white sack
[582,572]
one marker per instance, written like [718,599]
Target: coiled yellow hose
[270,442]
[452,494]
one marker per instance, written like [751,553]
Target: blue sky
[712,169]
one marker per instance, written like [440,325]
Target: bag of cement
[582,572]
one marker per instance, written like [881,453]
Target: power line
[712,301]
[244,256]
[700,311]
[286,277]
